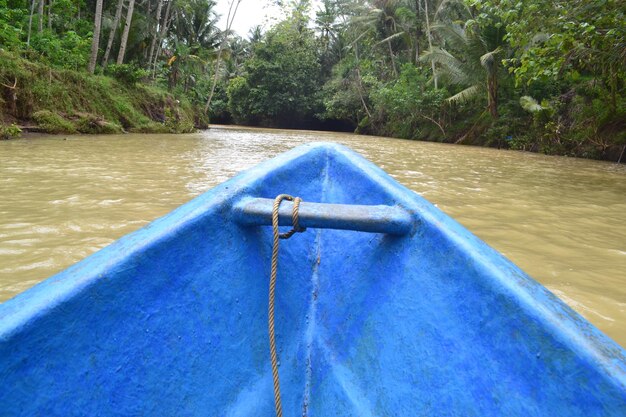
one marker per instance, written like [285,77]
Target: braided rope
[277,236]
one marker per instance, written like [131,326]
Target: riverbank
[36,97]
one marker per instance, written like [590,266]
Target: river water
[561,220]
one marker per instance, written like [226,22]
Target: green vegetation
[53,123]
[8,132]
[279,79]
[503,73]
[66,101]
[462,71]
[46,85]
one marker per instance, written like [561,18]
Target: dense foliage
[531,75]
[149,62]
[281,76]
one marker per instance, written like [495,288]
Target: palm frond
[443,6]
[366,19]
[451,67]
[197,59]
[466,95]
[358,38]
[539,37]
[452,35]
[392,37]
[530,104]
[488,61]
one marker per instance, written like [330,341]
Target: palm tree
[116,22]
[30,21]
[472,65]
[40,14]
[238,49]
[384,16]
[193,31]
[230,18]
[129,19]
[95,41]
[157,23]
[183,65]
[50,4]
[325,24]
[255,34]
[397,22]
[429,36]
[164,28]
[360,26]
[195,24]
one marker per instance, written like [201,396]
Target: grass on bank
[66,101]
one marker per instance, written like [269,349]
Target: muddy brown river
[562,220]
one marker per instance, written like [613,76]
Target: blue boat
[384,306]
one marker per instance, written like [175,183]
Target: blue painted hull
[172,319]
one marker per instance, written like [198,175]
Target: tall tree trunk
[124,40]
[613,87]
[157,26]
[430,42]
[116,23]
[393,61]
[30,21]
[40,13]
[144,51]
[172,78]
[359,78]
[50,14]
[215,76]
[492,89]
[162,33]
[95,42]
[229,22]
[418,31]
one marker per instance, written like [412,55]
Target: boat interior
[173,319]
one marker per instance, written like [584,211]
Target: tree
[155,35]
[282,80]
[410,107]
[238,52]
[468,58]
[116,23]
[346,93]
[193,37]
[325,24]
[429,36]
[124,40]
[572,38]
[162,34]
[40,15]
[230,18]
[194,24]
[330,35]
[95,42]
[30,21]
[50,3]
[255,35]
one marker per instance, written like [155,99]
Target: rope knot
[294,215]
